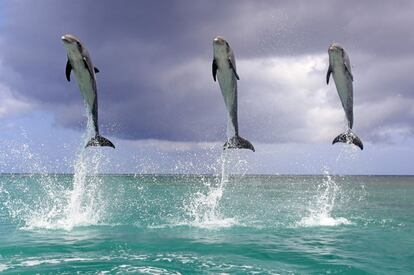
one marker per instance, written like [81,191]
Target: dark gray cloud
[154,57]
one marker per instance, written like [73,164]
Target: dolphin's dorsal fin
[87,66]
[96,70]
[214,68]
[348,69]
[68,70]
[347,64]
[328,74]
[234,70]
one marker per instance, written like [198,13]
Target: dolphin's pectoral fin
[349,138]
[349,72]
[234,70]
[328,74]
[96,70]
[68,70]
[214,68]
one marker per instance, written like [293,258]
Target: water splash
[47,202]
[204,208]
[348,154]
[320,213]
[24,202]
[84,204]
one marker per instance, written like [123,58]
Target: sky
[160,106]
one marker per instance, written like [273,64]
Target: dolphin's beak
[64,38]
[334,47]
[218,40]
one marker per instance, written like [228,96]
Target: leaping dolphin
[340,68]
[224,68]
[80,62]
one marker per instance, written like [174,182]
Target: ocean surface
[189,224]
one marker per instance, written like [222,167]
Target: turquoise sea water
[186,224]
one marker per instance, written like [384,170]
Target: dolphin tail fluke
[100,141]
[350,138]
[237,142]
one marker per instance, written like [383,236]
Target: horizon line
[209,174]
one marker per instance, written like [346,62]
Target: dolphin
[80,62]
[224,68]
[340,68]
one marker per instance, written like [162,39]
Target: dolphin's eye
[79,45]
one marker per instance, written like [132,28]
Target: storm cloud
[155,58]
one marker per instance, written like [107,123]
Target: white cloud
[289,96]
[10,104]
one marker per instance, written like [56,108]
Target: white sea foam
[322,220]
[145,269]
[31,263]
[217,223]
[3,267]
